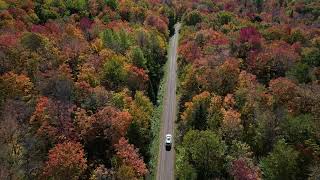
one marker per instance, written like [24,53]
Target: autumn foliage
[243,170]
[79,81]
[248,71]
[52,122]
[130,157]
[66,160]
[76,77]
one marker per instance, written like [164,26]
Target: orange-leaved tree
[129,156]
[66,161]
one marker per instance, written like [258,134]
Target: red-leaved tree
[66,161]
[241,169]
[130,157]
[52,120]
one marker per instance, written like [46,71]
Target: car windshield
[168,137]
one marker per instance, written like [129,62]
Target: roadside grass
[156,124]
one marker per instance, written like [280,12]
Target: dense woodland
[79,82]
[78,85]
[249,90]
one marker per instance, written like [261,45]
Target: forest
[80,80]
[249,90]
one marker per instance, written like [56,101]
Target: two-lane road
[166,159]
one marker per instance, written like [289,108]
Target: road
[165,170]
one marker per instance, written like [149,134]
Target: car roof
[168,138]
[168,135]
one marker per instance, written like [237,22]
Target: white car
[168,142]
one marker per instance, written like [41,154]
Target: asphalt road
[166,159]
